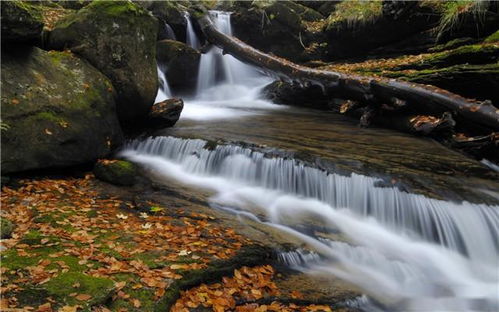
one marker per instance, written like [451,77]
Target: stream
[411,223]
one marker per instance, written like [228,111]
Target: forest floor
[83,245]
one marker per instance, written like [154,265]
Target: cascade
[164,91]
[191,37]
[401,247]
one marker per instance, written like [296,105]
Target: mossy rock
[272,26]
[119,39]
[21,22]
[117,172]
[181,63]
[62,286]
[6,228]
[492,38]
[60,111]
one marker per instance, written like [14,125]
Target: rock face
[57,110]
[118,172]
[181,63]
[357,27]
[165,114]
[171,12]
[119,39]
[21,22]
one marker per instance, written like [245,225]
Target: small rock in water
[118,172]
[166,113]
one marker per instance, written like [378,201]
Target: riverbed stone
[119,39]
[118,172]
[57,111]
[165,114]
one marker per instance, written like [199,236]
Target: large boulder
[57,110]
[181,64]
[119,39]
[277,27]
[21,22]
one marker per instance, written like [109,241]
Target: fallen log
[372,91]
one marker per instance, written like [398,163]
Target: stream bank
[139,248]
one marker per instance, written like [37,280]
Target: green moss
[60,287]
[115,8]
[6,228]
[12,261]
[33,237]
[451,44]
[33,10]
[492,38]
[117,172]
[355,12]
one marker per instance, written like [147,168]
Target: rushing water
[407,251]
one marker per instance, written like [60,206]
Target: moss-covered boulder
[119,39]
[118,172]
[181,63]
[275,26]
[21,22]
[6,228]
[58,111]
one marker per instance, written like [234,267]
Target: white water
[190,36]
[227,88]
[407,251]
[170,34]
[164,91]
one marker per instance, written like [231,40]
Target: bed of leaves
[74,249]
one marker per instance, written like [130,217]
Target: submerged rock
[181,63]
[21,22]
[165,114]
[118,172]
[6,228]
[119,39]
[57,110]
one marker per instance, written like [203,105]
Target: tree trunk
[370,91]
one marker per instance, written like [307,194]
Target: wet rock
[181,63]
[165,114]
[6,228]
[58,111]
[119,39]
[21,22]
[118,172]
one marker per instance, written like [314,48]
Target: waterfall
[164,91]
[408,251]
[216,68]
[191,37]
[170,34]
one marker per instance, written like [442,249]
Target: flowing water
[413,225]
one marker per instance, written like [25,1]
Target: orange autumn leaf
[83,297]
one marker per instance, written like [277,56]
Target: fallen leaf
[83,297]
